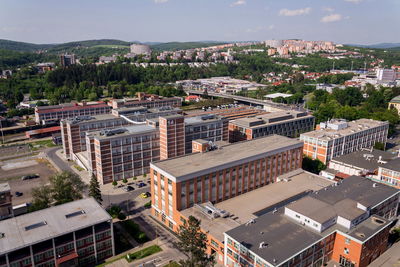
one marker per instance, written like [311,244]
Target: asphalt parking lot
[12,172]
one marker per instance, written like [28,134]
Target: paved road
[122,199]
[51,154]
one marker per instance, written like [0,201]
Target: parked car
[18,194]
[145,195]
[128,188]
[141,184]
[28,177]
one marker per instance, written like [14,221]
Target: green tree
[42,198]
[379,146]
[94,189]
[66,187]
[313,165]
[193,242]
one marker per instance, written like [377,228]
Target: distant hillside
[380,45]
[182,45]
[21,46]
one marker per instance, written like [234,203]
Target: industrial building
[78,233]
[339,137]
[220,174]
[146,100]
[288,123]
[55,113]
[345,224]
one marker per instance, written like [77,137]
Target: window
[346,251]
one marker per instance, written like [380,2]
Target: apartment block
[78,233]
[389,173]
[74,129]
[122,153]
[6,210]
[344,224]
[290,124]
[339,137]
[49,114]
[180,183]
[146,100]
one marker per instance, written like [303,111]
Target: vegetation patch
[134,230]
[143,253]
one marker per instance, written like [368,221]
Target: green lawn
[143,253]
[41,144]
[173,264]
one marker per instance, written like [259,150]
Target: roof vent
[263,245]
[374,185]
[73,214]
[250,222]
[35,225]
[2,235]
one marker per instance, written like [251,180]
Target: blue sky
[342,21]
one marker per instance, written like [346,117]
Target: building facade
[78,233]
[395,103]
[223,173]
[172,136]
[122,153]
[6,209]
[389,173]
[149,101]
[290,124]
[45,114]
[339,137]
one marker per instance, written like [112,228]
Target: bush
[125,180]
[114,183]
[134,178]
[144,175]
[121,216]
[147,205]
[143,253]
[134,230]
[114,211]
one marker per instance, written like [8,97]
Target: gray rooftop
[56,223]
[4,187]
[123,131]
[228,156]
[353,127]
[366,160]
[270,119]
[393,165]
[359,189]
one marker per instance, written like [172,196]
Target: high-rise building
[172,136]
[67,60]
[339,137]
[78,233]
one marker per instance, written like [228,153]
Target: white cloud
[239,3]
[354,1]
[331,18]
[294,12]
[160,1]
[328,9]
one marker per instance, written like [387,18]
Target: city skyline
[342,21]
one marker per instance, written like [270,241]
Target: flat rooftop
[328,134]
[392,165]
[31,228]
[197,164]
[260,199]
[4,187]
[123,131]
[270,119]
[89,119]
[366,159]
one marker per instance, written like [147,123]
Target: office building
[172,136]
[145,100]
[339,137]
[389,173]
[385,75]
[395,103]
[74,129]
[115,154]
[55,113]
[290,124]
[67,60]
[78,233]
[364,162]
[6,210]
[180,183]
[345,224]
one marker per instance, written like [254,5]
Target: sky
[341,21]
